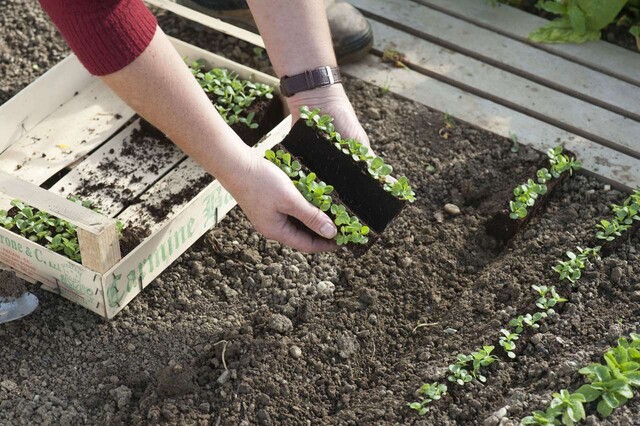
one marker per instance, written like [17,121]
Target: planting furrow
[604,383]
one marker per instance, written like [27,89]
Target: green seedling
[609,230]
[525,195]
[459,370]
[55,234]
[507,341]
[568,406]
[431,392]
[314,191]
[482,358]
[572,269]
[541,418]
[284,161]
[359,152]
[527,320]
[233,95]
[515,146]
[350,230]
[401,189]
[548,299]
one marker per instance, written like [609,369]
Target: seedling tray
[69,133]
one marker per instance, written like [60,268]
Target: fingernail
[328,230]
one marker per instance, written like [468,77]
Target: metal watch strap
[309,80]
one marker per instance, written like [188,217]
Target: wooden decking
[474,62]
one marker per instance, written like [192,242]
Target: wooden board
[208,21]
[121,178]
[22,112]
[611,166]
[517,93]
[506,53]
[598,55]
[66,135]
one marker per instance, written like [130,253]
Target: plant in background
[507,341]
[233,95]
[314,191]
[359,152]
[541,418]
[525,196]
[572,269]
[431,392]
[608,231]
[284,161]
[548,299]
[580,20]
[527,320]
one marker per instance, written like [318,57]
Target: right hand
[270,200]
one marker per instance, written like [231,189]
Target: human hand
[270,201]
[331,100]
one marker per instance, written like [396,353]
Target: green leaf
[577,18]
[560,31]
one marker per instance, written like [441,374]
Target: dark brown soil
[132,236]
[255,333]
[10,285]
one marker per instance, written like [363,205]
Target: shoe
[350,32]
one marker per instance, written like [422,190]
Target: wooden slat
[506,53]
[561,110]
[598,55]
[25,110]
[109,167]
[54,204]
[611,166]
[66,135]
[208,21]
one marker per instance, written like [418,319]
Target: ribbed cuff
[106,35]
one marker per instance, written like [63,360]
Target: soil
[10,285]
[240,330]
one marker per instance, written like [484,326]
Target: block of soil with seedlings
[102,206]
[343,178]
[529,198]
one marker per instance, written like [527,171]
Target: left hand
[331,100]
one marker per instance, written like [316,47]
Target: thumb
[312,217]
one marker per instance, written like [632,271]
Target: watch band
[309,80]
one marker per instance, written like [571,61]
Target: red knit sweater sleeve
[106,35]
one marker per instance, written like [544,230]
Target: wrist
[317,98]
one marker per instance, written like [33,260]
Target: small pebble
[616,275]
[452,209]
[280,324]
[295,352]
[607,188]
[224,377]
[450,331]
[439,217]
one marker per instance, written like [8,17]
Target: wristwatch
[309,80]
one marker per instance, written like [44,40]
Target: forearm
[159,86]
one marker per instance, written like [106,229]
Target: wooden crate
[69,119]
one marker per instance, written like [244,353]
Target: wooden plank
[53,204]
[127,279]
[608,165]
[121,169]
[561,110]
[66,135]
[208,21]
[100,251]
[506,53]
[598,55]
[25,110]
